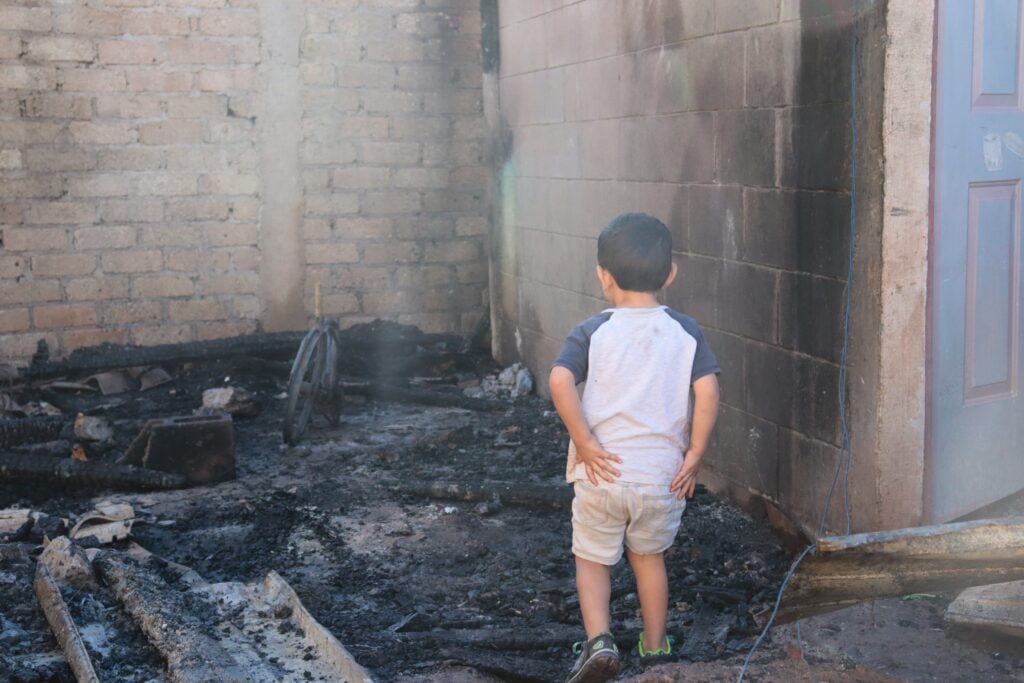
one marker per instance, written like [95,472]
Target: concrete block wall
[157,184]
[731,121]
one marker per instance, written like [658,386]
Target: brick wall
[730,120]
[136,146]
[392,161]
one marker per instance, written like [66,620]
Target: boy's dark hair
[636,249]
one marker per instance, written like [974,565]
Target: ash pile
[425,534]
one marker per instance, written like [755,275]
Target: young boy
[634,451]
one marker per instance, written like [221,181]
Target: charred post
[63,626]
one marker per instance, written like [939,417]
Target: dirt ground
[419,588]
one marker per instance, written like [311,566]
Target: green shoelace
[667,650]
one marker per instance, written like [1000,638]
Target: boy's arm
[597,461]
[705,412]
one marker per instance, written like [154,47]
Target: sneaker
[598,660]
[648,658]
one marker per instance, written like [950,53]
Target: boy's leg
[652,590]
[594,584]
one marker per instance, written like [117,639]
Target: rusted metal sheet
[845,570]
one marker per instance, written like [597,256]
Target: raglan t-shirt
[638,364]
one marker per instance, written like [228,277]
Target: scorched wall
[731,121]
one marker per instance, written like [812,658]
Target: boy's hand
[685,481]
[705,412]
[597,461]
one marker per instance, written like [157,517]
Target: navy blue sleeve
[575,352]
[704,361]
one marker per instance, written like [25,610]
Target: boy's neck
[622,298]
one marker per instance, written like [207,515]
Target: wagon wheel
[305,384]
[330,405]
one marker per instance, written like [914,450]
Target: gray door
[976,415]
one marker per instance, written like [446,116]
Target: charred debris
[153,526]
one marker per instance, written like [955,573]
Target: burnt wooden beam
[69,472]
[395,342]
[63,626]
[111,356]
[845,570]
[17,431]
[158,611]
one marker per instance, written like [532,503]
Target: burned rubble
[427,532]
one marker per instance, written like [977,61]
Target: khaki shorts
[644,517]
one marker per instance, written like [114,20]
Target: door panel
[976,414]
[993,273]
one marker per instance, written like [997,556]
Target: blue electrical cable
[844,358]
[778,601]
[845,452]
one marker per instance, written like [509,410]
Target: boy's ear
[671,276]
[605,278]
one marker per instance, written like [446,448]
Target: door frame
[897,411]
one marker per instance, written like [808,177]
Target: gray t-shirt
[638,364]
